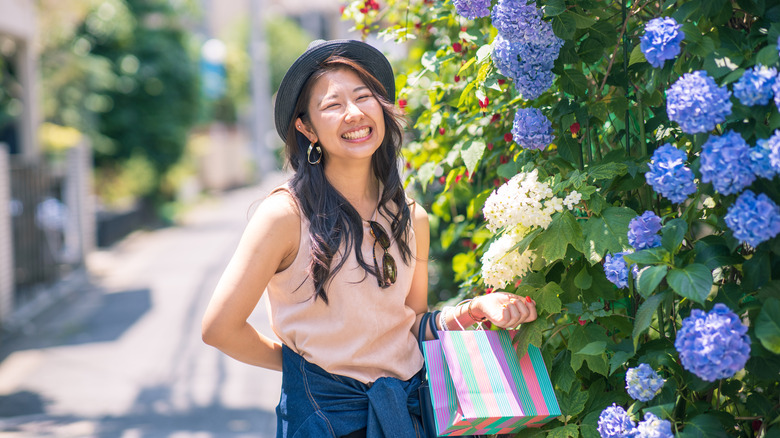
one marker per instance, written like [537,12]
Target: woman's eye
[364,97]
[331,106]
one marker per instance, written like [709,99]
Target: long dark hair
[333,220]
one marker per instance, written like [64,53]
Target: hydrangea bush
[619,163]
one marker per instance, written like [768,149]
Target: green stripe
[517,374]
[544,382]
[469,377]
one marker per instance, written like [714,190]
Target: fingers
[515,311]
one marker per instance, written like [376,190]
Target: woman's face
[346,119]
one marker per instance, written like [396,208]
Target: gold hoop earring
[308,154]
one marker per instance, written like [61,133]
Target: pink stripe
[510,386]
[480,374]
[437,384]
[532,383]
[457,376]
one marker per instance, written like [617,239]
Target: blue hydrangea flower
[616,269]
[755,85]
[776,90]
[725,162]
[516,20]
[713,345]
[654,427]
[528,62]
[614,422]
[643,231]
[753,219]
[760,161]
[643,383]
[661,40]
[532,129]
[774,150]
[696,102]
[669,176]
[472,9]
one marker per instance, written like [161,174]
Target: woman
[342,253]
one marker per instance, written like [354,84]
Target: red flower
[489,290]
[508,137]
[496,117]
[496,182]
[341,9]
[484,104]
[457,47]
[442,180]
[490,146]
[364,10]
[582,321]
[501,81]
[574,128]
[442,131]
[458,178]
[517,284]
[374,4]
[504,159]
[402,103]
[408,165]
[464,28]
[457,78]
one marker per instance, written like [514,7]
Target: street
[124,357]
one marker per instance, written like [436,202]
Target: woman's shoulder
[278,210]
[417,213]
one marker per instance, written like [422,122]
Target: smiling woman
[342,253]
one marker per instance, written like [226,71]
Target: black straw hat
[367,56]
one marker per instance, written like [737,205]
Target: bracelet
[484,318]
[442,320]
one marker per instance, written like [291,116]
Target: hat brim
[366,55]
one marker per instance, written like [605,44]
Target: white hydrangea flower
[500,265]
[520,201]
[572,198]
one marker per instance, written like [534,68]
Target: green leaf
[573,402]
[573,82]
[523,244]
[567,431]
[693,282]
[665,410]
[593,349]
[756,270]
[649,256]
[425,173]
[529,333]
[636,56]
[644,316]
[564,25]
[768,325]
[581,337]
[607,233]
[583,280]
[703,426]
[591,50]
[547,298]
[619,359]
[650,278]
[562,232]
[713,252]
[607,170]
[673,234]
[582,21]
[554,7]
[484,52]
[472,152]
[562,375]
[767,56]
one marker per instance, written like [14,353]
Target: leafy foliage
[608,110]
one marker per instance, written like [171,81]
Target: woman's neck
[358,185]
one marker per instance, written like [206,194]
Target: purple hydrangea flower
[774,150]
[472,9]
[713,345]
[654,427]
[669,176]
[528,62]
[755,85]
[661,40]
[643,383]
[616,269]
[643,231]
[696,102]
[760,162]
[753,219]
[516,20]
[532,129]
[614,422]
[725,162]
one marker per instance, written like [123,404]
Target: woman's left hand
[504,310]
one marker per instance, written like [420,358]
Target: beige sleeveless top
[364,331]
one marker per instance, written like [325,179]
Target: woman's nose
[353,111]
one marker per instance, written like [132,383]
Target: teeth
[352,135]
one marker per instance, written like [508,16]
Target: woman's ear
[304,129]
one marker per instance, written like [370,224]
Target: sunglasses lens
[380,235]
[389,268]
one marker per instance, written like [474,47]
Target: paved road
[123,357]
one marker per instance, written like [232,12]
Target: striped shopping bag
[479,386]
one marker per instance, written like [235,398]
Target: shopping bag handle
[429,319]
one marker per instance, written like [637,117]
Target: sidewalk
[123,357]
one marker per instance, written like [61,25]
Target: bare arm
[269,244]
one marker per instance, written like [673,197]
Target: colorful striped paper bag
[479,386]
